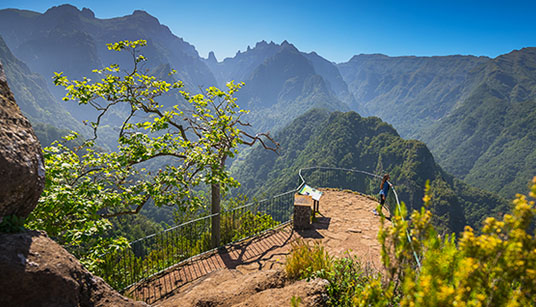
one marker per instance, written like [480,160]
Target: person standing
[384,189]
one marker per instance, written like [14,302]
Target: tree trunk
[215,219]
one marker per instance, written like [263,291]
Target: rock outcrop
[258,288]
[36,271]
[22,173]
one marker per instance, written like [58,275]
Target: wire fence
[346,179]
[355,180]
[154,255]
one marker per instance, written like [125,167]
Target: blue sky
[336,30]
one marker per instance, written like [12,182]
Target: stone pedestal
[302,211]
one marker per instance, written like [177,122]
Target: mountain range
[409,92]
[282,83]
[476,114]
[347,140]
[489,139]
[65,39]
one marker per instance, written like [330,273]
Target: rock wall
[22,172]
[36,271]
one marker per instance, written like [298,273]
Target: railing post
[216,216]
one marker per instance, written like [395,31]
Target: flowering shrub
[494,268]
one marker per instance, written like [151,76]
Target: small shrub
[295,301]
[305,259]
[346,278]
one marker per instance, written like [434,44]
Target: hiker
[384,189]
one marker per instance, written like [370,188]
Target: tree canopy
[163,154]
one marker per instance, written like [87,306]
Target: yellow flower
[445,292]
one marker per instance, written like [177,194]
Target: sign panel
[307,190]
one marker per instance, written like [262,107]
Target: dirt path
[346,224]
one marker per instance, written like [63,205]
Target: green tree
[189,142]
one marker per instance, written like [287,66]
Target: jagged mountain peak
[141,12]
[64,8]
[69,9]
[146,17]
[288,46]
[86,12]
[212,57]
[261,44]
[279,76]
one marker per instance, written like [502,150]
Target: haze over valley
[426,98]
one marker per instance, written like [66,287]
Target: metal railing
[154,255]
[355,180]
[151,255]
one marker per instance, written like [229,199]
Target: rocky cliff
[22,173]
[36,271]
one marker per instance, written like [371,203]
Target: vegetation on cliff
[494,268]
[489,139]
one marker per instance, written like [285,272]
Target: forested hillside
[490,139]
[473,112]
[409,92]
[47,115]
[347,140]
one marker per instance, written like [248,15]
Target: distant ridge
[347,140]
[282,83]
[490,138]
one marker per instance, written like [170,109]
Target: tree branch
[258,137]
[129,212]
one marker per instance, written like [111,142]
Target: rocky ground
[36,271]
[252,274]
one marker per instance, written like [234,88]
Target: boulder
[36,271]
[22,172]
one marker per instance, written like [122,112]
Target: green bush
[305,259]
[495,268]
[346,277]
